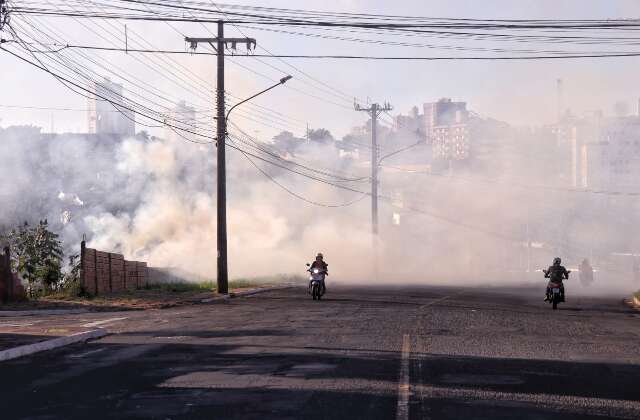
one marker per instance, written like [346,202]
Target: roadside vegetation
[162,295]
[38,258]
[210,286]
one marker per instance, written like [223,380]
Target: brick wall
[10,284]
[104,272]
[5,276]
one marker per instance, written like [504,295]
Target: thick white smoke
[154,200]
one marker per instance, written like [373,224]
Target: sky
[519,92]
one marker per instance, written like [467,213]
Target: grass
[209,286]
[637,295]
[204,286]
[162,294]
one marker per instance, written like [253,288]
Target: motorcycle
[555,294]
[316,281]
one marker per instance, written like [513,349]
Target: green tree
[37,256]
[49,256]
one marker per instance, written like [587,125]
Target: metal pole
[223,274]
[374,170]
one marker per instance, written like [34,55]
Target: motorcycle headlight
[316,271]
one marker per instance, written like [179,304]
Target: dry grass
[159,295]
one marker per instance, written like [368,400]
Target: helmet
[557,261]
[319,255]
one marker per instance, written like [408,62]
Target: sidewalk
[26,330]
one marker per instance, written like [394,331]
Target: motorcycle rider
[320,264]
[556,274]
[586,272]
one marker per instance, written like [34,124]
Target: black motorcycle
[316,280]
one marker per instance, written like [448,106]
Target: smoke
[487,221]
[153,200]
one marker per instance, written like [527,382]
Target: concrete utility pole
[4,14]
[219,44]
[374,111]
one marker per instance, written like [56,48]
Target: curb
[50,344]
[244,293]
[37,312]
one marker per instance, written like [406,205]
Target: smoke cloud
[488,221]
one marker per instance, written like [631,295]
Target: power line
[296,195]
[336,177]
[356,21]
[364,57]
[335,92]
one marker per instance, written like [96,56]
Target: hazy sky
[521,92]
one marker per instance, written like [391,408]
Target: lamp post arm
[398,151]
[281,82]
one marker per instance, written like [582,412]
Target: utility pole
[4,13]
[374,112]
[219,44]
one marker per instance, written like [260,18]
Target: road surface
[362,353]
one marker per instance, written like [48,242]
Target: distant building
[604,152]
[414,121]
[183,120]
[446,129]
[108,114]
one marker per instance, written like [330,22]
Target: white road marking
[103,322]
[18,324]
[77,356]
[402,412]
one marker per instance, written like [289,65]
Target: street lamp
[281,82]
[223,273]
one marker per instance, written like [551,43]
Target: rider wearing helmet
[556,274]
[320,264]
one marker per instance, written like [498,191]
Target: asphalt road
[361,353]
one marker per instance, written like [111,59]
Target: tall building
[446,128]
[604,152]
[183,120]
[414,121]
[107,112]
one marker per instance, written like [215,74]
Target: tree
[351,142]
[287,142]
[321,135]
[37,254]
[49,256]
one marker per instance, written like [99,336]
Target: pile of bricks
[104,272]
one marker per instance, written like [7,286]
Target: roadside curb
[37,312]
[50,344]
[244,293]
